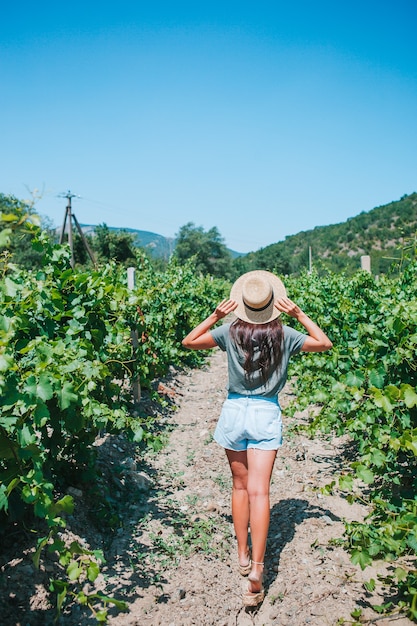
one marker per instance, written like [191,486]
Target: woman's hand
[285,305]
[200,338]
[317,340]
[224,308]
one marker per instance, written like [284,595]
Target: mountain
[158,245]
[384,233]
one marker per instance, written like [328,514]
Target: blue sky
[260,118]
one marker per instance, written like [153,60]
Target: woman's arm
[199,338]
[317,340]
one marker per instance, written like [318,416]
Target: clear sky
[262,118]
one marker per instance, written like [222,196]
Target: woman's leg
[240,502]
[260,464]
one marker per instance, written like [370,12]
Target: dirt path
[308,581]
[174,558]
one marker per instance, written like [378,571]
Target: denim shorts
[247,422]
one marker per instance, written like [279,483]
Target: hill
[381,233]
[158,245]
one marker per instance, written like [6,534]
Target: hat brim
[257,317]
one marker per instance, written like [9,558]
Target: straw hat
[255,292]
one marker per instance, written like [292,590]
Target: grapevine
[367,389]
[65,354]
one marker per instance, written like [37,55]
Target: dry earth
[173,559]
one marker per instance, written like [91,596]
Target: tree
[207,248]
[114,245]
[19,223]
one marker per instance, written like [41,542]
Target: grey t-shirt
[238,383]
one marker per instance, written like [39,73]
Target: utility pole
[70,217]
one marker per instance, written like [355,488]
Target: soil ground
[173,557]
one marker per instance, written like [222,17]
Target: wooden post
[84,240]
[134,337]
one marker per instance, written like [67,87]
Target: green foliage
[64,340]
[65,354]
[171,304]
[366,387]
[82,567]
[66,350]
[206,249]
[113,245]
[19,224]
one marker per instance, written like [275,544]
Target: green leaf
[365,474]
[320,396]
[8,217]
[4,501]
[370,585]
[82,598]
[360,557]
[101,616]
[11,287]
[378,458]
[409,441]
[346,482]
[93,571]
[64,505]
[409,395]
[6,362]
[377,377]
[66,395]
[412,541]
[74,570]
[120,604]
[400,573]
[382,400]
[138,433]
[60,599]
[355,379]
[41,415]
[26,436]
[44,388]
[5,237]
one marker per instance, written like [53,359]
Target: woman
[258,349]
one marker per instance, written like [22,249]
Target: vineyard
[367,388]
[67,365]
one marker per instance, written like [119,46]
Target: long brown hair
[263,339]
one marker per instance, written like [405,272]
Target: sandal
[253,598]
[244,570]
